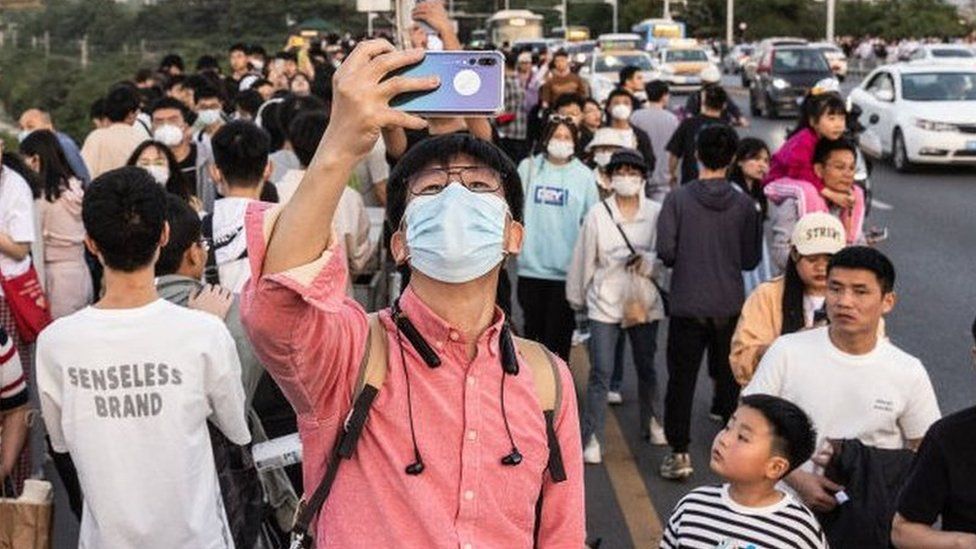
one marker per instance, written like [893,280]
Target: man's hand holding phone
[361,98]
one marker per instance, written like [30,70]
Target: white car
[681,67]
[604,70]
[919,114]
[835,58]
[942,52]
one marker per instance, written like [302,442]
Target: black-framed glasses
[477,179]
[562,118]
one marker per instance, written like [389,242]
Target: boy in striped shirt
[765,439]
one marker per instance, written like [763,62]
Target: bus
[507,26]
[659,32]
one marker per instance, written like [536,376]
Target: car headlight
[933,126]
[780,84]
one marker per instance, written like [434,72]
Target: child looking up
[765,439]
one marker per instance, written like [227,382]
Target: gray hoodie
[708,233]
[178,289]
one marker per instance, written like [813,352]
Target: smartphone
[472,84]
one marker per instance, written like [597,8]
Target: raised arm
[360,108]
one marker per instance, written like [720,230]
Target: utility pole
[84,51]
[614,3]
[565,5]
[667,9]
[729,21]
[831,12]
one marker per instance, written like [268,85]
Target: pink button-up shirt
[312,338]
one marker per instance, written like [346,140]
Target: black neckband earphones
[510,366]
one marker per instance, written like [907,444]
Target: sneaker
[592,454]
[676,466]
[614,397]
[579,337]
[657,436]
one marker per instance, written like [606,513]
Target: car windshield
[939,86]
[682,56]
[943,53]
[799,60]
[614,62]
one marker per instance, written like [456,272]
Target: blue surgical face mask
[456,235]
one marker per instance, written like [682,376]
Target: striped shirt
[708,518]
[13,383]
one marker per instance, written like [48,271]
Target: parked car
[919,114]
[603,73]
[783,77]
[835,58]
[736,58]
[749,67]
[681,67]
[942,52]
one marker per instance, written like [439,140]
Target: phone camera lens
[487,61]
[471,61]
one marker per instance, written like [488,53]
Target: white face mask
[626,185]
[168,135]
[560,149]
[208,117]
[159,173]
[620,111]
[602,158]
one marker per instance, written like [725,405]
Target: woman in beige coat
[792,302]
[67,280]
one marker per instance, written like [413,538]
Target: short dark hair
[144,74]
[619,92]
[568,99]
[97,109]
[293,105]
[184,229]
[206,90]
[257,49]
[716,146]
[172,81]
[237,46]
[560,53]
[249,101]
[868,259]
[121,101]
[627,73]
[287,56]
[124,211]
[715,97]
[794,436]
[258,82]
[656,89]
[170,103]
[240,151]
[826,147]
[172,60]
[440,150]
[305,133]
[207,62]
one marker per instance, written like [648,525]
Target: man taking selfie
[461,436]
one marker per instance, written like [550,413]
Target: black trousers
[688,339]
[548,318]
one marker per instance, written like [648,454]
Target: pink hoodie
[794,160]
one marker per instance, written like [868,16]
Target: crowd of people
[198,253]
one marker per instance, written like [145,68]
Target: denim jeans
[617,379]
[602,346]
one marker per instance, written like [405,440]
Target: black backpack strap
[210,272]
[372,374]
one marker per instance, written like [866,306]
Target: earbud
[417,467]
[512,459]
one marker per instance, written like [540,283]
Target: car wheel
[899,153]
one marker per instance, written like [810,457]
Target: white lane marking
[881,205]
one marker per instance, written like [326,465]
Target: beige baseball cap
[818,233]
